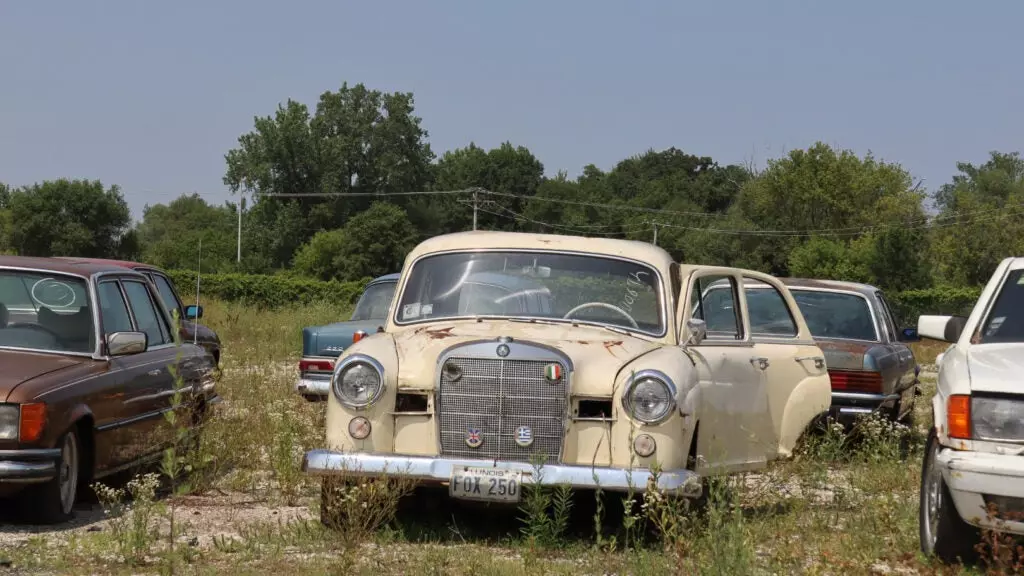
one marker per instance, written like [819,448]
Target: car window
[887,317]
[113,310]
[146,315]
[375,301]
[163,286]
[43,311]
[769,314]
[713,300]
[1005,322]
[836,314]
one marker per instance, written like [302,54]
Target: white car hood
[997,368]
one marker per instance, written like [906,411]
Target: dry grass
[840,507]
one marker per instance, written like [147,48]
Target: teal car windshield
[375,301]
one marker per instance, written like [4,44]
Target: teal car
[321,345]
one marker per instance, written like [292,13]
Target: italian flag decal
[553,372]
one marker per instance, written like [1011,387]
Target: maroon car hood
[20,367]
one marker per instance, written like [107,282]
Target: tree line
[343,191]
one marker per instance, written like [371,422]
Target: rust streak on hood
[596,359]
[844,354]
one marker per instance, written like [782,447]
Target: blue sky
[151,95]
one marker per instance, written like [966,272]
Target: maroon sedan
[89,366]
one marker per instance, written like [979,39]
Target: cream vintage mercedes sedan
[512,359]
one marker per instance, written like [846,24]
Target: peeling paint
[609,344]
[440,333]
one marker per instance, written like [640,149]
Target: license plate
[490,484]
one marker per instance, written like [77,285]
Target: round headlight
[358,381]
[649,397]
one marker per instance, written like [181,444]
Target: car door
[791,366]
[129,418]
[733,403]
[157,366]
[904,374]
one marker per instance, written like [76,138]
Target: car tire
[943,532]
[54,501]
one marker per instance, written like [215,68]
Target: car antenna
[199,271]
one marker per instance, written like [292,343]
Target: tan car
[89,365]
[512,359]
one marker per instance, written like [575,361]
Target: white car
[974,459]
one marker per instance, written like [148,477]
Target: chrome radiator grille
[494,398]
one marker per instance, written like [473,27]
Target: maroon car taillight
[315,366]
[856,381]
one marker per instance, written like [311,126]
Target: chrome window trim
[657,375]
[662,292]
[349,361]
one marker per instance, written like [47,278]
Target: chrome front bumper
[974,476]
[28,466]
[439,470]
[313,388]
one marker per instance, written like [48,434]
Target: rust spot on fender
[609,344]
[440,333]
[583,342]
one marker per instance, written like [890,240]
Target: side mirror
[910,335]
[698,331]
[944,328]
[193,312]
[125,343]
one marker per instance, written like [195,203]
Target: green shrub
[910,304]
[266,291]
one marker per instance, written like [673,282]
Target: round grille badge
[524,436]
[503,350]
[473,438]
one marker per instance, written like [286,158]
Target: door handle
[761,363]
[819,362]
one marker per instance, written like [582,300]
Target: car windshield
[540,285]
[1005,322]
[373,304]
[835,314]
[46,312]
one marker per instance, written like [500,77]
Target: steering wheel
[613,307]
[39,327]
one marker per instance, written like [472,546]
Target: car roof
[487,239]
[109,262]
[393,277]
[62,265]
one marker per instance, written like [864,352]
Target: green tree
[824,192]
[358,141]
[374,242]
[71,218]
[171,234]
[980,220]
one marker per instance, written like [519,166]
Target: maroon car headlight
[9,421]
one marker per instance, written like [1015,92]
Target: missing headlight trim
[594,409]
[410,402]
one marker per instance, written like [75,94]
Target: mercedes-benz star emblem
[503,350]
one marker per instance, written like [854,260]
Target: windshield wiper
[539,320]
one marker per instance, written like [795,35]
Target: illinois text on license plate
[485,484]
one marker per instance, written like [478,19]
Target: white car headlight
[358,381]
[997,419]
[649,396]
[9,422]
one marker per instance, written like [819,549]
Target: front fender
[810,399]
[380,347]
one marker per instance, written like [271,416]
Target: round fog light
[359,428]
[644,445]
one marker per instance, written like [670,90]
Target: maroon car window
[167,294]
[146,316]
[113,311]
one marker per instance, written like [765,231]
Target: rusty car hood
[996,368]
[597,354]
[19,367]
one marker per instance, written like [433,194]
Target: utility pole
[241,204]
[655,233]
[474,209]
